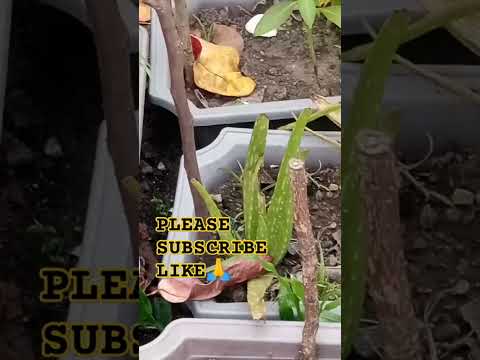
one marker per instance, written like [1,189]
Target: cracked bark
[387,270]
[308,251]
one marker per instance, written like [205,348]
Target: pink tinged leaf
[182,290]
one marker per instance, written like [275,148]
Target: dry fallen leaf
[181,290]
[217,69]
[144,13]
[227,36]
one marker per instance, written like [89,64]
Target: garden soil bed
[281,66]
[443,251]
[324,203]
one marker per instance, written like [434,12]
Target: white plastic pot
[159,88]
[78,10]
[106,242]
[229,147]
[375,12]
[208,339]
[5,22]
[423,106]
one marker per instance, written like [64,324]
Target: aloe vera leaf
[251,184]
[256,289]
[365,113]
[212,207]
[280,212]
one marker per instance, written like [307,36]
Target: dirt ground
[281,66]
[443,250]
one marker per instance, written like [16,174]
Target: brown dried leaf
[227,36]
[181,290]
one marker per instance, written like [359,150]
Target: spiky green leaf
[212,208]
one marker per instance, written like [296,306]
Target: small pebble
[333,187]
[217,198]
[446,332]
[53,148]
[161,166]
[146,169]
[463,197]
[453,215]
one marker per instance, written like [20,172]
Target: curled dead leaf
[181,290]
[227,36]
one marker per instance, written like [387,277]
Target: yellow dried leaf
[216,69]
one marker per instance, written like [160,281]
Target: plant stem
[455,10]
[112,42]
[176,60]
[183,30]
[313,55]
[308,251]
[387,271]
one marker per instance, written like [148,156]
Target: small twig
[425,158]
[428,193]
[306,240]
[323,137]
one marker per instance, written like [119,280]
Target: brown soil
[325,218]
[281,66]
[442,249]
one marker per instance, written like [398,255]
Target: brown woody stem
[387,271]
[308,251]
[183,30]
[113,51]
[176,60]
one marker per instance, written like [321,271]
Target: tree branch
[176,60]
[112,41]
[308,251]
[387,272]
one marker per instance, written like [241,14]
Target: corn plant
[273,223]
[309,10]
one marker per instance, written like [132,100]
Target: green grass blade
[213,210]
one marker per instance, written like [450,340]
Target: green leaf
[252,200]
[280,212]
[145,308]
[298,288]
[364,114]
[287,303]
[308,10]
[333,316]
[275,17]
[256,289]
[333,14]
[268,266]
[212,207]
[162,312]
